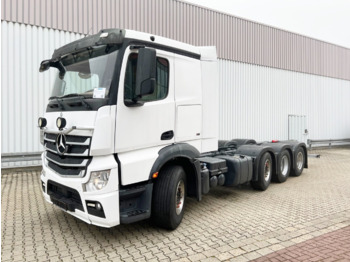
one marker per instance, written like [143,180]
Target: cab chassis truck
[131,130]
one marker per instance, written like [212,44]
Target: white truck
[131,130]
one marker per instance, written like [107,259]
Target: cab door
[152,124]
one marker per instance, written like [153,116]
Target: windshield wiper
[70,95]
[87,106]
[81,97]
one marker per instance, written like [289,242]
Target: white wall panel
[255,102]
[25,91]
[235,38]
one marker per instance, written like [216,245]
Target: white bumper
[108,196]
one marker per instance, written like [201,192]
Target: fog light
[95,208]
[98,206]
[43,173]
[97,181]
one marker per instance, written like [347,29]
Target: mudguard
[187,155]
[292,146]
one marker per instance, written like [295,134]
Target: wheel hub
[267,169]
[180,197]
[300,160]
[284,165]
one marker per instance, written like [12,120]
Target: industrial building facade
[258,64]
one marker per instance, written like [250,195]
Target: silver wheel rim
[267,170]
[180,197]
[284,165]
[300,160]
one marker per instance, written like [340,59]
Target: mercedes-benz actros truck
[131,130]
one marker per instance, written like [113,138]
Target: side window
[162,81]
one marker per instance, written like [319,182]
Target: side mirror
[45,65]
[146,71]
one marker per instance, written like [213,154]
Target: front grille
[73,139]
[64,197]
[74,161]
[66,171]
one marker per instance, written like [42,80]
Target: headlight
[98,180]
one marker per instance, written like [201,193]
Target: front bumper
[107,197]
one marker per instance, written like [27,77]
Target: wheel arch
[185,156]
[306,163]
[290,152]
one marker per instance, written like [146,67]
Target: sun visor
[104,37]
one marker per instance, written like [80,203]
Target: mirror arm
[61,68]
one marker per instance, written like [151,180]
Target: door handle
[167,135]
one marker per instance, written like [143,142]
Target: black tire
[167,188]
[299,162]
[265,172]
[284,166]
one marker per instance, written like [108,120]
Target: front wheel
[264,173]
[169,195]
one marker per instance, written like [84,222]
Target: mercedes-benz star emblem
[61,144]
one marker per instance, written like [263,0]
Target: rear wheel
[169,195]
[284,166]
[299,162]
[264,173]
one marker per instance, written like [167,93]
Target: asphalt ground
[291,221]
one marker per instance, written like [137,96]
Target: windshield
[88,73]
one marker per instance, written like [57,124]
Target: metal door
[297,128]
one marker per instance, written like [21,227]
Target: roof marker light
[61,122]
[42,122]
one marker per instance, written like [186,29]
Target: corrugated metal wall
[25,91]
[236,39]
[246,94]
[255,102]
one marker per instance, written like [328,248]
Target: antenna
[88,33]
[90,30]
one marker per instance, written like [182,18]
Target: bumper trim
[64,197]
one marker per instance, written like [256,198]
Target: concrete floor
[238,224]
